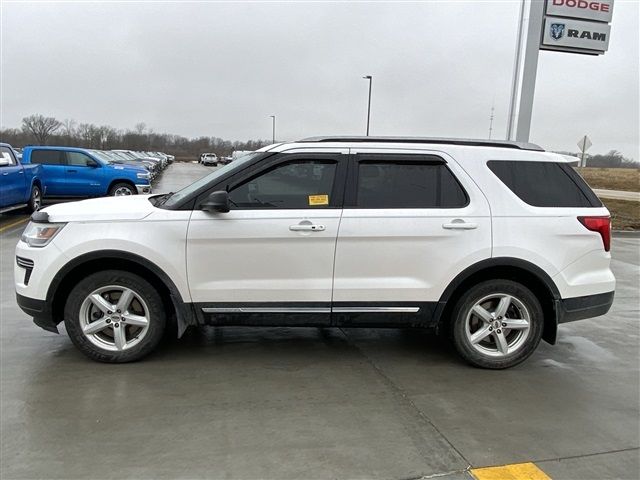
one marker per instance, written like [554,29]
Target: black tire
[156,315]
[483,290]
[35,200]
[119,187]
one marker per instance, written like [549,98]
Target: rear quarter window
[48,157]
[545,184]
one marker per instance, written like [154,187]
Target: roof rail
[432,140]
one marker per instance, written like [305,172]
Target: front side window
[296,184]
[47,157]
[545,184]
[78,159]
[407,184]
[6,154]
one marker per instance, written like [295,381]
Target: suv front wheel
[497,324]
[115,316]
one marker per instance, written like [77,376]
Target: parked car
[114,158]
[492,243]
[209,159]
[131,155]
[21,185]
[77,172]
[124,158]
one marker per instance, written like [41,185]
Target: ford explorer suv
[20,185]
[78,172]
[494,244]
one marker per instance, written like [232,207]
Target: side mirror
[92,164]
[4,162]
[216,202]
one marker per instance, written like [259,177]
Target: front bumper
[143,189]
[579,308]
[40,310]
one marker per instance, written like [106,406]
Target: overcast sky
[220,69]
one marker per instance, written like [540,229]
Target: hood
[130,207]
[130,167]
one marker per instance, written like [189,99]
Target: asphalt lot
[284,403]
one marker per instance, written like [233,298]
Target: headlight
[143,175]
[40,234]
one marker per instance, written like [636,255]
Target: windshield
[195,186]
[104,156]
[123,155]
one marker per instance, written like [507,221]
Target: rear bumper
[39,310]
[579,308]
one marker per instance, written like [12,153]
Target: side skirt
[303,314]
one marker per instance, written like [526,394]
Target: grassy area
[625,215]
[612,178]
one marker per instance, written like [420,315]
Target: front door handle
[72,171]
[459,224]
[307,227]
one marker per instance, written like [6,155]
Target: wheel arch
[521,271]
[73,272]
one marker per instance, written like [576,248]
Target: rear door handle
[307,228]
[459,225]
[72,171]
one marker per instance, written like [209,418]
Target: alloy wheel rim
[114,318]
[498,325]
[121,191]
[36,199]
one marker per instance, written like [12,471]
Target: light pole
[370,78]
[273,125]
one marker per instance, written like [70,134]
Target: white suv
[493,243]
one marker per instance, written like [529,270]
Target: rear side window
[545,184]
[408,184]
[48,157]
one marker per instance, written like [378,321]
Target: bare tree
[140,128]
[69,127]
[40,126]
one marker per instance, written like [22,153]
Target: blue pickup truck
[20,185]
[79,172]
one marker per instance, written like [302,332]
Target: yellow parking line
[14,224]
[515,471]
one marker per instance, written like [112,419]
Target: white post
[515,82]
[530,69]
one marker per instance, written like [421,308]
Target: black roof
[433,140]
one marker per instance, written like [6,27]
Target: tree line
[613,159]
[41,130]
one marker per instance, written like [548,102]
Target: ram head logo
[557,30]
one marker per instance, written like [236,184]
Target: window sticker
[318,199]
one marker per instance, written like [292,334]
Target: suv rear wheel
[497,324]
[114,316]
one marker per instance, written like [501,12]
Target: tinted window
[408,185]
[545,184]
[298,184]
[79,159]
[7,154]
[47,157]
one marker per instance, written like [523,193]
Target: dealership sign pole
[572,26]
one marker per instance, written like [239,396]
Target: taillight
[602,225]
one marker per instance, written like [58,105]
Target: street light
[370,78]
[273,121]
